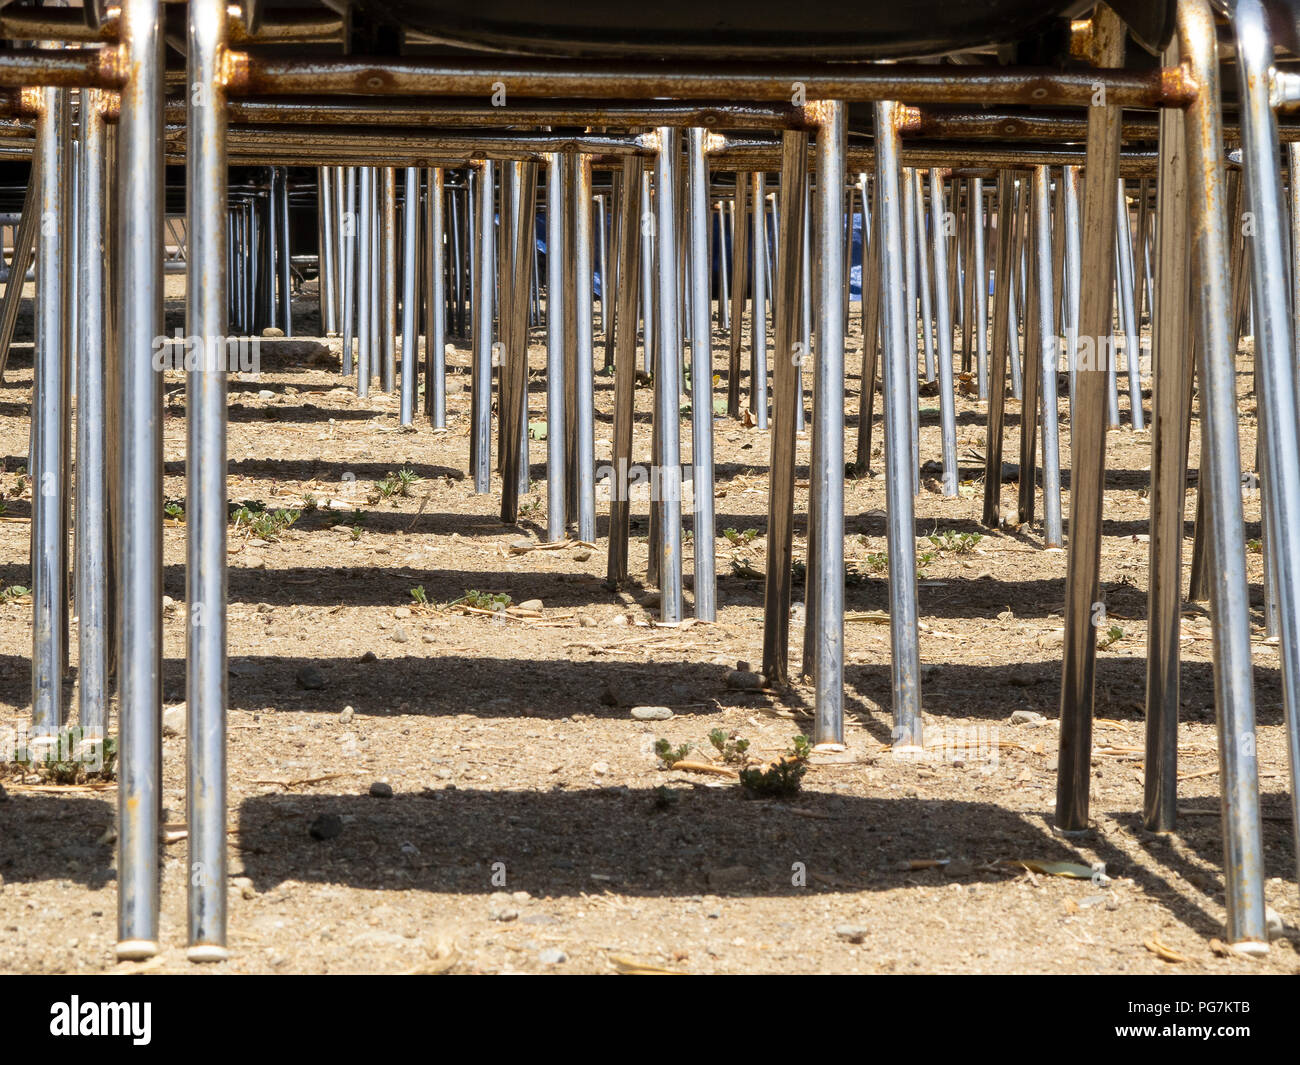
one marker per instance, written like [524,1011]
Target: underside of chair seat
[860,29]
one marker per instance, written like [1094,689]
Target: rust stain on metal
[907,119]
[1081,38]
[1178,87]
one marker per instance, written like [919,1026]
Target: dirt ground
[528,824]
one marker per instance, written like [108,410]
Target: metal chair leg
[205,489]
[825,571]
[705,587]
[1088,440]
[780,512]
[905,654]
[629,234]
[1281,435]
[140,242]
[947,400]
[668,378]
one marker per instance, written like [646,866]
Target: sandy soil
[530,824]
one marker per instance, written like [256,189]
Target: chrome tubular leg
[923,274]
[947,401]
[584,382]
[668,412]
[1128,311]
[739,283]
[825,572]
[49,461]
[909,299]
[905,652]
[387,279]
[701,379]
[1001,343]
[1053,534]
[1071,276]
[286,268]
[140,244]
[555,277]
[410,242]
[326,266]
[1281,454]
[348,249]
[980,269]
[365,277]
[205,490]
[648,248]
[481,379]
[92,417]
[435,335]
[758,324]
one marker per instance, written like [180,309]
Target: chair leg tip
[136,949]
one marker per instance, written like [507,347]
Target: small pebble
[744,680]
[346,714]
[326,826]
[651,713]
[854,933]
[1027,717]
[380,790]
[173,720]
[552,956]
[399,635]
[531,604]
[311,678]
[501,907]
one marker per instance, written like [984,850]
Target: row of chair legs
[661,225]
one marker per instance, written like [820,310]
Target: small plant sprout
[1113,635]
[670,755]
[397,483]
[418,594]
[781,779]
[309,503]
[731,747]
[954,543]
[483,600]
[14,593]
[741,539]
[262,523]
